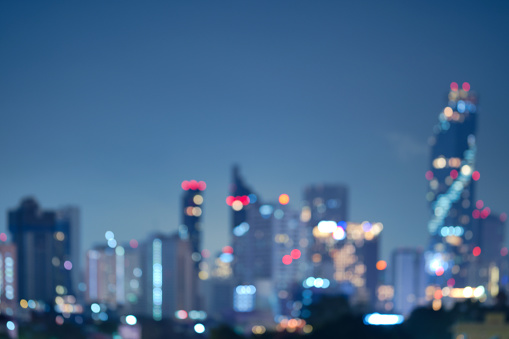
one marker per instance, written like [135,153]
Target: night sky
[110,105]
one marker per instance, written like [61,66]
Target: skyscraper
[323,203]
[45,243]
[192,209]
[451,190]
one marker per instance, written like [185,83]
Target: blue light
[241,229]
[252,198]
[226,257]
[383,319]
[461,106]
[266,211]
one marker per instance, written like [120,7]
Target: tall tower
[192,209]
[451,189]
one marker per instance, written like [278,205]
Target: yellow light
[284,199]
[203,275]
[23,303]
[448,112]
[60,236]
[437,304]
[196,211]
[307,329]
[316,257]
[198,199]
[305,214]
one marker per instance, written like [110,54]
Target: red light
[504,251]
[381,265]
[479,204]
[287,259]
[451,282]
[466,86]
[454,86]
[295,254]
[476,175]
[476,214]
[205,253]
[185,185]
[181,314]
[133,243]
[454,174]
[230,200]
[193,185]
[503,217]
[429,175]
[485,212]
[3,237]
[438,294]
[228,249]
[244,199]
[476,251]
[439,271]
[202,185]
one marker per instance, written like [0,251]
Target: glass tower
[451,190]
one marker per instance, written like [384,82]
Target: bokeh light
[284,199]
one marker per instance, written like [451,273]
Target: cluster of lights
[193,315]
[110,237]
[293,325]
[289,258]
[451,230]
[243,298]
[237,203]
[241,229]
[193,185]
[193,211]
[316,282]
[481,214]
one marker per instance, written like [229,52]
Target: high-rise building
[323,203]
[408,279]
[45,242]
[169,279]
[8,279]
[451,190]
[192,210]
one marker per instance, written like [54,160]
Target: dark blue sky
[109,105]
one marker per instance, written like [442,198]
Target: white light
[10,326]
[318,282]
[199,328]
[383,319]
[339,233]
[112,243]
[466,170]
[95,308]
[109,235]
[327,226]
[131,320]
[479,291]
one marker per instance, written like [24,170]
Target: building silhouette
[451,189]
[46,244]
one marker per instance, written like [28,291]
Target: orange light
[381,265]
[284,199]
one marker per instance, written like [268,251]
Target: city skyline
[323,102]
